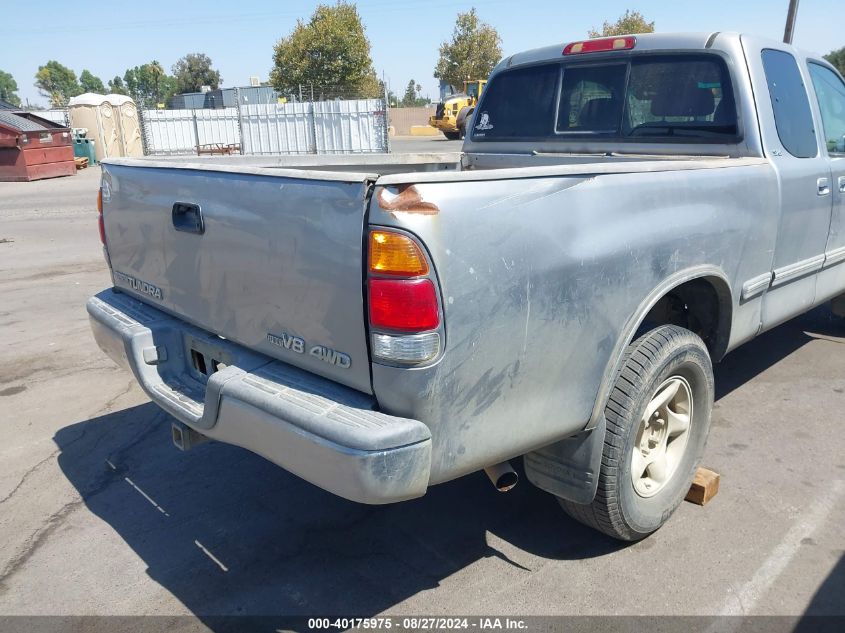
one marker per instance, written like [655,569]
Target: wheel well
[703,306]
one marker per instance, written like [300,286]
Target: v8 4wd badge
[298,345]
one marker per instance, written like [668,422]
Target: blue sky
[109,37]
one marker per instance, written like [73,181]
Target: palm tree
[157,71]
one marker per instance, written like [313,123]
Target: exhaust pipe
[502,475]
[184,437]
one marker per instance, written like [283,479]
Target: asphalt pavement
[407,144]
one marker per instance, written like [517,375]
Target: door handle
[824,186]
[187,217]
[841,183]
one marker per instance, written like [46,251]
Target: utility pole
[790,21]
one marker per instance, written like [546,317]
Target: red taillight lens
[100,224]
[407,305]
[602,45]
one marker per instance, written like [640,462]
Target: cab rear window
[677,98]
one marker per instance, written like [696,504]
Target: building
[223,98]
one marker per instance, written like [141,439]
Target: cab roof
[645,42]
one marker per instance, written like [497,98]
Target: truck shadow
[827,601]
[228,533]
[742,365]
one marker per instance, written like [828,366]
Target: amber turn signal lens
[100,200]
[396,254]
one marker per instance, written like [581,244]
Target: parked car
[625,212]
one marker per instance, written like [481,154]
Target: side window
[830,91]
[793,118]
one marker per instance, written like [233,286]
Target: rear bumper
[323,432]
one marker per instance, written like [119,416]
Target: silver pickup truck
[624,211]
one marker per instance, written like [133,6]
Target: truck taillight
[396,254]
[410,348]
[407,305]
[402,299]
[100,224]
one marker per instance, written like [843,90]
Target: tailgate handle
[188,217]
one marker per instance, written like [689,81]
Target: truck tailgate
[274,263]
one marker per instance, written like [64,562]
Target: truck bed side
[542,278]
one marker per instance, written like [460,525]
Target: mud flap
[569,468]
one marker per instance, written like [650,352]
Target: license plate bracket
[203,358]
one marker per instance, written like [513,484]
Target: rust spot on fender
[408,200]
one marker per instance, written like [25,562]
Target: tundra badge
[137,285]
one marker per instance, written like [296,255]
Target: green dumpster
[84,147]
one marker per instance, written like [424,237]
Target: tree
[149,85]
[629,23]
[157,76]
[472,53]
[91,83]
[330,53]
[9,88]
[117,86]
[193,71]
[57,82]
[837,58]
[411,97]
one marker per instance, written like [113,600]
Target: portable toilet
[129,126]
[112,122]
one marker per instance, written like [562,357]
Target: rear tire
[658,418]
[452,136]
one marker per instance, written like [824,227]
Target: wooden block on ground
[704,487]
[81,162]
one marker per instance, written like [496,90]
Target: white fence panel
[180,131]
[324,127]
[170,131]
[284,128]
[218,126]
[350,127]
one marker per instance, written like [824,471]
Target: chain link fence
[323,125]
